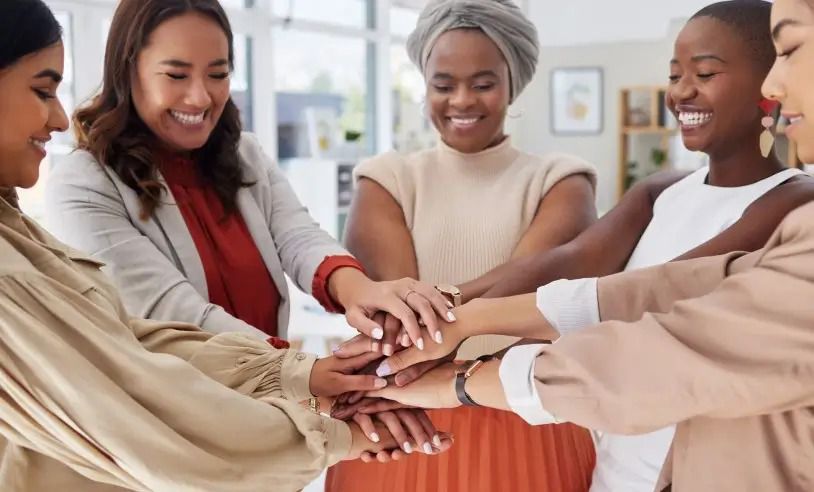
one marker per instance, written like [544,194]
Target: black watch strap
[460,390]
[460,384]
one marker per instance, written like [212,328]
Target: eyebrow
[782,24]
[182,64]
[699,58]
[49,73]
[482,73]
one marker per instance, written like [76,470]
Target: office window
[322,93]
[350,13]
[411,127]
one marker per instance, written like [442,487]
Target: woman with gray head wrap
[455,214]
[501,20]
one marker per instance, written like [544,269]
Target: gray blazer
[155,264]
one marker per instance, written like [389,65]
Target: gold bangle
[313,404]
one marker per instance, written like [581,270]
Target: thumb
[357,362]
[401,361]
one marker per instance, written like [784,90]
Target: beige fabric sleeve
[79,387]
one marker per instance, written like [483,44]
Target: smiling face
[714,86]
[181,81]
[468,90]
[29,113]
[792,76]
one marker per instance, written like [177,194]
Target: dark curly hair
[110,128]
[751,19]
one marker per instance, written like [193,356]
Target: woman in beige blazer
[728,339]
[94,400]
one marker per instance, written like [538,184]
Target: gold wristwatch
[452,293]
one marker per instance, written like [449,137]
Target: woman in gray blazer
[165,100]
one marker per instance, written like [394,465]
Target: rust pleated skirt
[494,451]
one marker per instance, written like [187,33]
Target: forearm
[516,316]
[485,389]
[568,261]
[265,372]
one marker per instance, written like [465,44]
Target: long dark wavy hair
[110,128]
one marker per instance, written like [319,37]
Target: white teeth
[188,119]
[38,143]
[464,121]
[795,119]
[694,119]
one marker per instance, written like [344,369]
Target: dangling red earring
[767,137]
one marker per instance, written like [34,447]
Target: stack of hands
[401,363]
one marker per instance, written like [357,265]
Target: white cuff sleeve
[517,378]
[569,305]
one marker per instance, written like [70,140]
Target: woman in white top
[721,58]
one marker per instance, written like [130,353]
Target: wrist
[343,284]
[473,318]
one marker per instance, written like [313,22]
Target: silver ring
[411,291]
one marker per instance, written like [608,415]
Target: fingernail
[450,305]
[427,448]
[405,341]
[387,350]
[439,338]
[451,317]
[374,437]
[335,349]
[408,448]
[378,333]
[436,439]
[383,370]
[374,346]
[420,344]
[380,383]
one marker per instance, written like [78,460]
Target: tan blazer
[93,401]
[722,346]
[155,264]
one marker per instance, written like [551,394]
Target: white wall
[578,22]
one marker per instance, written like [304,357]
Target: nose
[682,90]
[462,98]
[198,94]
[773,85]
[58,119]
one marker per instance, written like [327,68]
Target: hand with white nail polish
[374,440]
[435,389]
[415,307]
[454,335]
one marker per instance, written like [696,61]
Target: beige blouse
[95,401]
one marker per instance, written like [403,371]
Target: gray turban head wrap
[501,20]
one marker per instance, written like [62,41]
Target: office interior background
[326,83]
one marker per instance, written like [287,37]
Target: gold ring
[411,291]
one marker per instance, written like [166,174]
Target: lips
[464,122]
[694,119]
[188,119]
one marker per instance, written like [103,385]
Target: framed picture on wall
[577,101]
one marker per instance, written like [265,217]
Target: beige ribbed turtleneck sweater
[467,212]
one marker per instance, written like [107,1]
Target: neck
[9,195]
[499,139]
[741,166]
